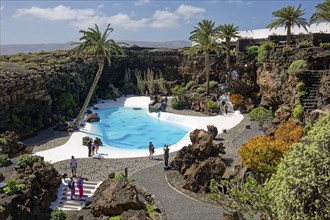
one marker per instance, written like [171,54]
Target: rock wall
[277,87]
[28,95]
[31,84]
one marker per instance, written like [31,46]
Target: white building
[264,33]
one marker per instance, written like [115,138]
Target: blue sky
[141,20]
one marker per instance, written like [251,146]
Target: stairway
[312,80]
[64,201]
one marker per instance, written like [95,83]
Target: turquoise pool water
[133,128]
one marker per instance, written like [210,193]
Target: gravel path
[98,169]
[176,205]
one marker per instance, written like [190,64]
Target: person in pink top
[80,184]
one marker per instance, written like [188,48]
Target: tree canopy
[289,17]
[96,43]
[204,39]
[322,13]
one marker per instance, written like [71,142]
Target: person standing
[71,186]
[89,145]
[96,146]
[80,184]
[73,165]
[166,156]
[151,150]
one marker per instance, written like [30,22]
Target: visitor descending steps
[64,201]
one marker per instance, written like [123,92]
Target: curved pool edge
[74,145]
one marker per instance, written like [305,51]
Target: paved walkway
[176,205]
[179,206]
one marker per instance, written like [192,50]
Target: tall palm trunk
[91,90]
[228,52]
[288,34]
[207,71]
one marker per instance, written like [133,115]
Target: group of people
[166,153]
[72,182]
[93,147]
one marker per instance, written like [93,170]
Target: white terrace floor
[74,145]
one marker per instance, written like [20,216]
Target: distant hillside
[31,48]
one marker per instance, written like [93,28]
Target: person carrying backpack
[71,186]
[80,183]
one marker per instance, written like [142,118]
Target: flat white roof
[264,33]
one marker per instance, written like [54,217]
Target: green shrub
[308,127]
[65,102]
[200,90]
[212,105]
[325,45]
[3,141]
[298,112]
[31,66]
[52,61]
[58,214]
[26,160]
[305,44]
[297,67]
[16,119]
[12,187]
[253,51]
[179,91]
[190,84]
[178,104]
[149,208]
[300,87]
[117,217]
[3,160]
[26,56]
[129,88]
[261,115]
[300,187]
[282,108]
[121,175]
[245,196]
[263,51]
[15,58]
[12,67]
[213,84]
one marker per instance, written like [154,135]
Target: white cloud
[164,19]
[59,13]
[240,2]
[84,18]
[121,21]
[187,11]
[141,2]
[1,8]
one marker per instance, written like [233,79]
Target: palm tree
[288,17]
[322,13]
[204,39]
[228,31]
[97,43]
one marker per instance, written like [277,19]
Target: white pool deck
[74,145]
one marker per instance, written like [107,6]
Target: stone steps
[64,201]
[312,80]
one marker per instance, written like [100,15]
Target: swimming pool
[133,128]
